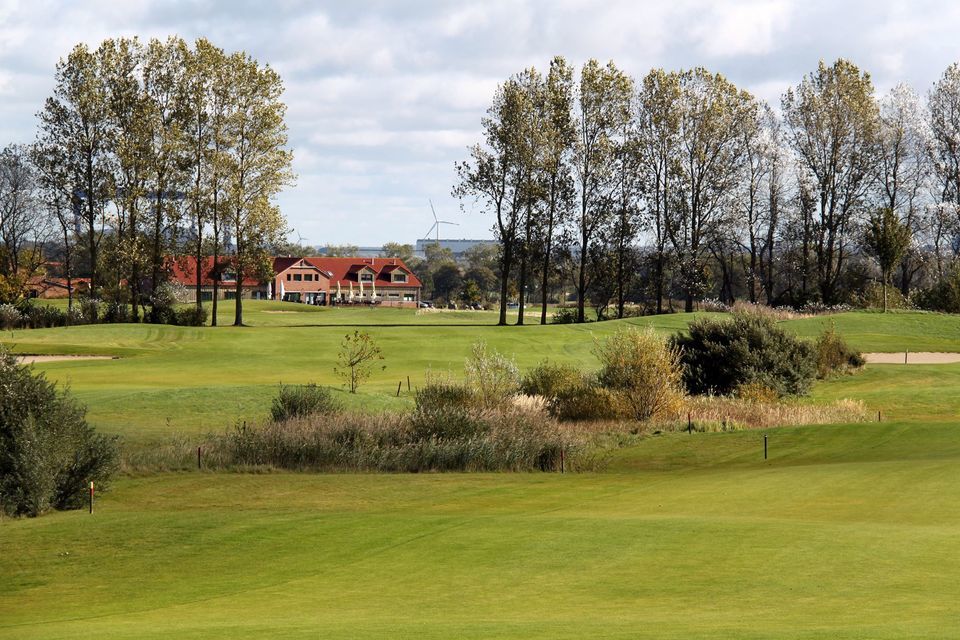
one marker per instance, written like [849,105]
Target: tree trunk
[238,313]
[506,260]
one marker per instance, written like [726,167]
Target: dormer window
[366,276]
[399,276]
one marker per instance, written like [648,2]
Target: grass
[846,531]
[192,380]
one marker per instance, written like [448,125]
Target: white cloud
[384,97]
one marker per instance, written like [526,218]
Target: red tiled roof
[183,270]
[344,270]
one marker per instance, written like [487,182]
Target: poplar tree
[75,119]
[832,120]
[257,167]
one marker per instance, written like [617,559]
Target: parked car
[425,304]
[513,305]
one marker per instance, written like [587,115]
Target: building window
[296,277]
[366,276]
[399,277]
[308,277]
[289,277]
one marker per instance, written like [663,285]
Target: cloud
[385,96]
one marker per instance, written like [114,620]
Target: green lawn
[197,379]
[847,531]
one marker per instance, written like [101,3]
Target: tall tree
[887,239]
[602,106]
[76,119]
[713,115]
[902,168]
[258,166]
[165,65]
[558,189]
[120,62]
[56,186]
[488,177]
[832,120]
[658,130]
[23,230]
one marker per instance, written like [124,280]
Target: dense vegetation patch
[48,452]
[720,355]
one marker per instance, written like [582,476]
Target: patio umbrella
[361,288]
[339,295]
[373,287]
[351,289]
[281,290]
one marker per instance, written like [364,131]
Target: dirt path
[919,357]
[34,359]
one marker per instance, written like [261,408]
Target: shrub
[720,355]
[492,377]
[549,380]
[564,315]
[834,355]
[944,295]
[297,401]
[505,441]
[10,317]
[644,370]
[588,402]
[444,410]
[41,316]
[191,316]
[90,310]
[117,312]
[48,452]
[757,393]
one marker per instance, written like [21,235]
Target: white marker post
[91,496]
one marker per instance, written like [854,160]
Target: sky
[385,96]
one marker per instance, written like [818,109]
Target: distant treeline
[142,151]
[682,186]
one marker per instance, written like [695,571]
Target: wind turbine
[436,223]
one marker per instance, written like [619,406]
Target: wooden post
[408,383]
[905,357]
[764,447]
[561,459]
[198,458]
[689,423]
[879,419]
[399,386]
[91,496]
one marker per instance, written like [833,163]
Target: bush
[505,441]
[834,355]
[41,316]
[446,410]
[644,370]
[492,377]
[720,355]
[549,380]
[90,310]
[10,317]
[297,401]
[564,315]
[117,312]
[943,296]
[48,452]
[588,402]
[191,316]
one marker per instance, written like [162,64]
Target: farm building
[313,280]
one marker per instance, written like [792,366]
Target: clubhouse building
[317,280]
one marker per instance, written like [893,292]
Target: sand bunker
[35,359]
[918,357]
